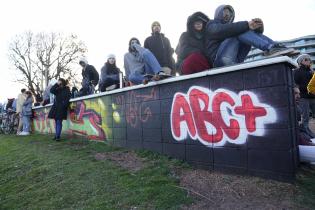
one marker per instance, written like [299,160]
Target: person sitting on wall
[191,47]
[90,78]
[161,48]
[109,74]
[59,109]
[302,77]
[140,61]
[229,42]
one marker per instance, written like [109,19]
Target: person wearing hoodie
[229,42]
[302,77]
[191,47]
[90,78]
[27,113]
[161,48]
[138,62]
[59,109]
[109,74]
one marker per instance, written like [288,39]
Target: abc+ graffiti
[220,116]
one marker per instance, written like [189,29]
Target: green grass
[38,173]
[306,187]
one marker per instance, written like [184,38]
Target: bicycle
[10,122]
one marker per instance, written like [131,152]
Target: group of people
[206,43]
[304,90]
[22,107]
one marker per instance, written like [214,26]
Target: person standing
[27,113]
[161,48]
[19,105]
[302,77]
[109,74]
[59,109]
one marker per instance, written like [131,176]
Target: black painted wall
[145,123]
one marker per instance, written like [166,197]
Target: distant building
[305,44]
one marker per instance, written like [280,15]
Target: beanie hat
[155,23]
[111,56]
[302,57]
[83,60]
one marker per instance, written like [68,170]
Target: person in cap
[90,78]
[138,62]
[191,47]
[109,74]
[229,42]
[302,77]
[161,48]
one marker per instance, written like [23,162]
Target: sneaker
[166,70]
[278,49]
[24,133]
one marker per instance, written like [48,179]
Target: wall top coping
[214,71]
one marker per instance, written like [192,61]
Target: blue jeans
[26,123]
[234,50]
[151,66]
[58,128]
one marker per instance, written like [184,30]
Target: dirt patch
[213,190]
[127,160]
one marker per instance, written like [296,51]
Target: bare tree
[43,56]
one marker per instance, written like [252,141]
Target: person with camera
[229,42]
[59,109]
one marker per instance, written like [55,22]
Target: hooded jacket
[191,41]
[133,60]
[161,48]
[218,30]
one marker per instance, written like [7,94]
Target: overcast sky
[106,26]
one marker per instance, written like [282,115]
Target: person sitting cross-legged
[109,74]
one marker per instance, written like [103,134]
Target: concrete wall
[238,119]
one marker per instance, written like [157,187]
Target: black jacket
[59,109]
[218,31]
[161,48]
[302,77]
[191,41]
[90,74]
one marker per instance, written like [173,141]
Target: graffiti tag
[217,117]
